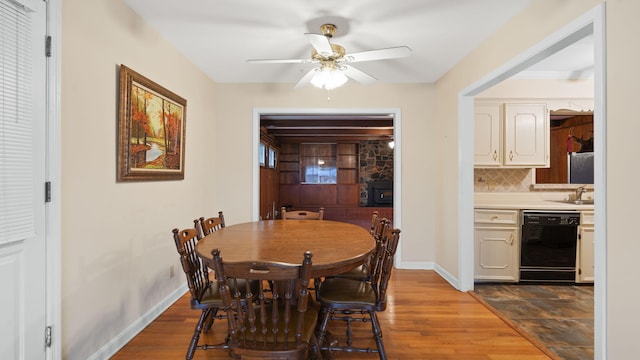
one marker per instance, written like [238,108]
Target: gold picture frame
[151,130]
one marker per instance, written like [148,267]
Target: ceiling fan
[332,68]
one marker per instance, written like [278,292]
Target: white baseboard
[447,276]
[115,344]
[430,266]
[409,265]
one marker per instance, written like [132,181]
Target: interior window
[272,157]
[318,163]
[262,149]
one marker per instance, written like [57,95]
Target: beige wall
[623,75]
[116,237]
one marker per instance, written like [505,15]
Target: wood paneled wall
[312,195]
[282,187]
[580,127]
[269,184]
[345,193]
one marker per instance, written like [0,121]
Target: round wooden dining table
[336,246]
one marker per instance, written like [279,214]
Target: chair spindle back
[382,274]
[195,270]
[301,214]
[209,225]
[280,319]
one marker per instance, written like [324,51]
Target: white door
[22,179]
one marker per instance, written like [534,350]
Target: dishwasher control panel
[551,218]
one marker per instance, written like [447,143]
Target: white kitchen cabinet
[526,135]
[511,135]
[497,244]
[585,253]
[488,135]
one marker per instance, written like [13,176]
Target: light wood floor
[426,319]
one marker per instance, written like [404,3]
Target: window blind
[16,119]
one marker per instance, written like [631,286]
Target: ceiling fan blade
[279,61]
[379,54]
[306,79]
[320,43]
[358,75]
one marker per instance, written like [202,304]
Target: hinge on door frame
[47,46]
[47,191]
[47,336]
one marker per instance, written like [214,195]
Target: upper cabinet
[526,135]
[511,135]
[488,135]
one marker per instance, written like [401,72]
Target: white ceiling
[573,62]
[220,35]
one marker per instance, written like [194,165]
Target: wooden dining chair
[301,214]
[209,225]
[354,300]
[365,271]
[205,293]
[374,221]
[280,323]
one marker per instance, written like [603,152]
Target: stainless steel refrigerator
[580,167]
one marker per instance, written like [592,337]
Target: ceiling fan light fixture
[333,69]
[328,78]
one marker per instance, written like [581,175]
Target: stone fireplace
[380,193]
[376,165]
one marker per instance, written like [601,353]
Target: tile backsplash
[502,180]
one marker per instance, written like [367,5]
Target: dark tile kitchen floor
[558,316]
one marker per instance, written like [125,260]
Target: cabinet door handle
[511,155]
[495,155]
[511,239]
[494,217]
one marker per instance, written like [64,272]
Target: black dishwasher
[548,246]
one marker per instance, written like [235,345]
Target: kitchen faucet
[579,192]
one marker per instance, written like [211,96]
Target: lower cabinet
[585,253]
[497,245]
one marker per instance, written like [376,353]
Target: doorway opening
[591,23]
[314,126]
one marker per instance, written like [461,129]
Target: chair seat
[347,293]
[364,272]
[360,273]
[355,300]
[211,296]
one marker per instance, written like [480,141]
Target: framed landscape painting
[151,130]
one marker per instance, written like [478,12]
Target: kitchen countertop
[529,201]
